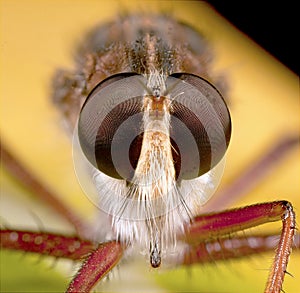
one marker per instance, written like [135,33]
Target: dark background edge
[271,24]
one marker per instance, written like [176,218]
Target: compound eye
[109,126]
[200,125]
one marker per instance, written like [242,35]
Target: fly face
[149,135]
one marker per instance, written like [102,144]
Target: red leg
[33,184]
[216,225]
[232,247]
[96,267]
[46,244]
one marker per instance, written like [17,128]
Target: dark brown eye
[201,109]
[109,127]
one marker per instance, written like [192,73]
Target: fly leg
[237,247]
[216,225]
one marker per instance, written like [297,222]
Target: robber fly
[151,129]
[149,125]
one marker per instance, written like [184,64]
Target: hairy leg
[216,225]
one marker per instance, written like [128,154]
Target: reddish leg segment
[46,244]
[96,266]
[227,248]
[216,225]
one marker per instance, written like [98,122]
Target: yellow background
[37,37]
